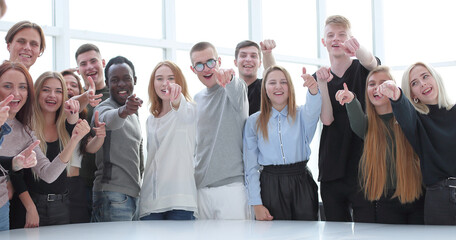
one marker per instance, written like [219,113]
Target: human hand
[344,96]
[100,129]
[223,76]
[71,107]
[267,46]
[262,213]
[324,74]
[4,109]
[174,91]
[94,100]
[80,130]
[32,219]
[131,106]
[350,46]
[309,82]
[390,89]
[26,158]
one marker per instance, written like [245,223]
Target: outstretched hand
[324,74]
[100,129]
[131,106]
[350,46]
[390,89]
[309,82]
[223,76]
[26,158]
[174,91]
[344,96]
[94,100]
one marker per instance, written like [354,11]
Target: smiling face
[375,97]
[163,77]
[14,82]
[335,35]
[121,82]
[51,95]
[248,61]
[91,64]
[25,47]
[277,89]
[206,76]
[72,85]
[423,85]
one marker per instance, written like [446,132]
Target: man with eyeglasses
[222,109]
[248,59]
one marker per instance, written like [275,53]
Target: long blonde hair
[443,98]
[38,117]
[155,101]
[266,105]
[373,168]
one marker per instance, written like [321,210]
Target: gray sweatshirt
[119,160]
[221,115]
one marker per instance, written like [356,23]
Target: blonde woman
[427,116]
[55,118]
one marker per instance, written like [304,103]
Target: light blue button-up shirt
[288,142]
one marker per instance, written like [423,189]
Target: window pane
[422,33]
[39,12]
[293,25]
[224,24]
[133,18]
[360,16]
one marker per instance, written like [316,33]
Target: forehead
[249,50]
[417,71]
[275,75]
[13,76]
[87,56]
[70,78]
[203,55]
[379,76]
[164,70]
[52,82]
[335,28]
[119,70]
[28,33]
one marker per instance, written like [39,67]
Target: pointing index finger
[30,148]
[6,101]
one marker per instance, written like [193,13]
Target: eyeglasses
[199,67]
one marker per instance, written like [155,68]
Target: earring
[415,100]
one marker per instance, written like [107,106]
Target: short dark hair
[118,60]
[200,47]
[85,48]
[246,43]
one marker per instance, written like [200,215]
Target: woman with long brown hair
[389,169]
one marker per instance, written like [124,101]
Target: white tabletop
[231,229]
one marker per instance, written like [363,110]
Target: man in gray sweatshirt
[222,109]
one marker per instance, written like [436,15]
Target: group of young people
[237,150]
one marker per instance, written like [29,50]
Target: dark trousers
[78,200]
[289,192]
[342,197]
[391,211]
[53,209]
[440,203]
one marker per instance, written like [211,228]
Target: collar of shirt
[276,113]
